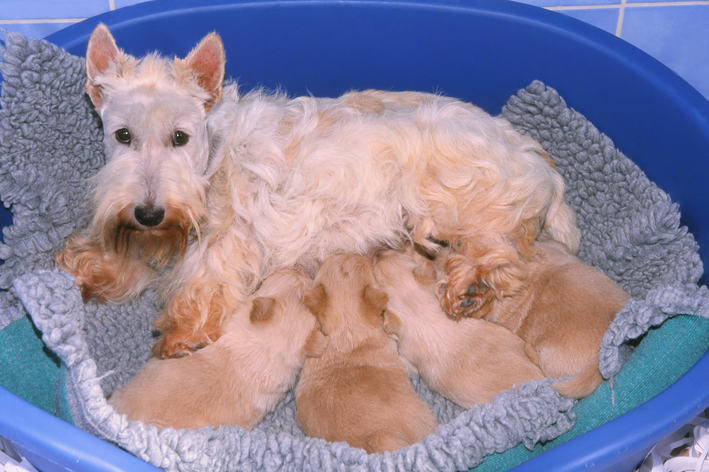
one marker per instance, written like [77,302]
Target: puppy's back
[358,390]
[468,361]
[367,401]
[572,308]
[237,379]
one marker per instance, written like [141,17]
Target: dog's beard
[154,246]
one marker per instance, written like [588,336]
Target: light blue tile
[125,3]
[52,9]
[566,3]
[35,30]
[603,18]
[656,1]
[677,36]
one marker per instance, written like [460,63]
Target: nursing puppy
[238,379]
[358,390]
[562,312]
[207,191]
[469,361]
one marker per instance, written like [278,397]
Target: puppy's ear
[375,301]
[206,65]
[392,325]
[262,309]
[316,344]
[425,274]
[101,53]
[316,301]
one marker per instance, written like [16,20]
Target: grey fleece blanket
[50,144]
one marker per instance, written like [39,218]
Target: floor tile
[41,9]
[677,36]
[35,30]
[604,18]
[126,3]
[558,3]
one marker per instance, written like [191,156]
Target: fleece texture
[50,145]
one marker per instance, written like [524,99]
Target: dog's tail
[582,384]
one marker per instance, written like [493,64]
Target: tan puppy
[358,390]
[238,379]
[469,361]
[562,312]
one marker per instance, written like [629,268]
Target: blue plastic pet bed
[64,356]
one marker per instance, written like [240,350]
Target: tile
[676,36]
[34,30]
[559,3]
[126,3]
[603,18]
[42,9]
[666,1]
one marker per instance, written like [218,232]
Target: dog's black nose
[149,216]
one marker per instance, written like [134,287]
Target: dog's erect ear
[206,64]
[100,54]
[262,309]
[425,274]
[375,301]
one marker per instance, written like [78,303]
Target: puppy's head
[346,294]
[151,191]
[410,282]
[279,315]
[393,268]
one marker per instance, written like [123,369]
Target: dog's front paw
[472,300]
[181,341]
[469,303]
[169,346]
[464,291]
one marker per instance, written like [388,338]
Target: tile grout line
[621,14]
[628,5]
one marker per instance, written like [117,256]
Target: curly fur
[265,181]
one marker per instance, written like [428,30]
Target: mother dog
[207,191]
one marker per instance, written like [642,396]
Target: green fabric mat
[663,356]
[31,371]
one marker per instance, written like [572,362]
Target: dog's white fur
[265,181]
[242,376]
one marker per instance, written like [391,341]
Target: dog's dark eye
[180,138]
[123,136]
